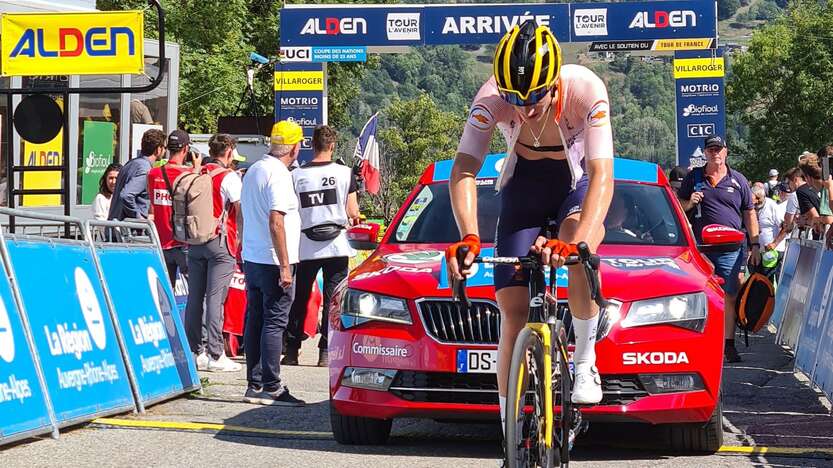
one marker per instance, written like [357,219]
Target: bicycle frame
[542,321]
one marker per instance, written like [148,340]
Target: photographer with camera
[160,189]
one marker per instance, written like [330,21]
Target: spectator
[271,234]
[327,193]
[130,196]
[676,176]
[823,159]
[808,195]
[160,185]
[770,219]
[772,182]
[795,179]
[211,265]
[106,185]
[718,194]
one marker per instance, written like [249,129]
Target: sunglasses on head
[513,98]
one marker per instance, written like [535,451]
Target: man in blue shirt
[130,195]
[717,194]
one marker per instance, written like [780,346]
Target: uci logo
[72,42]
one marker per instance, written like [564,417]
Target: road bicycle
[541,421]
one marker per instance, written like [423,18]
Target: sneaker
[223,364]
[202,361]
[731,354]
[290,358]
[323,358]
[280,397]
[587,388]
[253,395]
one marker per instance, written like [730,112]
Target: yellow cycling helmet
[527,63]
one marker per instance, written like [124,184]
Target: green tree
[781,88]
[727,8]
[215,38]
[413,134]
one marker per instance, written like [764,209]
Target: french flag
[367,150]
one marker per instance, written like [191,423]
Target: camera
[825,167]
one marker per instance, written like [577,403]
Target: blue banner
[486,24]
[638,21]
[799,294]
[153,331]
[782,292]
[701,107]
[74,337]
[816,318]
[348,25]
[823,373]
[305,107]
[22,405]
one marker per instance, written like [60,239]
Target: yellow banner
[682,44]
[99,43]
[699,67]
[299,81]
[45,154]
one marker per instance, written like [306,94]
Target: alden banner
[98,43]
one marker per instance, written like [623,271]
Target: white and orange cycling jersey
[582,114]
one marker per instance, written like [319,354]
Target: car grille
[450,387]
[450,322]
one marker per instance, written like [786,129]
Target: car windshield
[639,215]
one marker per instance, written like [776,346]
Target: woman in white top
[101,203]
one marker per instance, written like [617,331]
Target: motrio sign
[96,43]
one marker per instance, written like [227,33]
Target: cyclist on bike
[559,166]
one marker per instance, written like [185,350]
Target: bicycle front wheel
[526,407]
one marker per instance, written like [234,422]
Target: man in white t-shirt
[327,194]
[795,179]
[770,219]
[271,233]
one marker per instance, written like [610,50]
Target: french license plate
[476,361]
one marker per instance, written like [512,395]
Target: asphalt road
[766,406]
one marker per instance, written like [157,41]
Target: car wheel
[706,437]
[355,430]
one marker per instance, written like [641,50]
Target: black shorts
[539,192]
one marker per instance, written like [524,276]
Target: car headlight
[359,307]
[686,311]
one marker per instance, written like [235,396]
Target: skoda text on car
[400,347]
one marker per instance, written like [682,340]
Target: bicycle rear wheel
[526,408]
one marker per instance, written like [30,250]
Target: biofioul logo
[692,110]
[6,337]
[90,308]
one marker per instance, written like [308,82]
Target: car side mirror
[719,238]
[364,236]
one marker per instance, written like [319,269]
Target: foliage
[781,88]
[215,38]
[416,132]
[727,8]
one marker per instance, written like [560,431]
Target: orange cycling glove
[472,241]
[561,248]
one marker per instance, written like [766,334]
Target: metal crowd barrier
[802,314]
[87,323]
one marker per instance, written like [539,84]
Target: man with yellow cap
[271,238]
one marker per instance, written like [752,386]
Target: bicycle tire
[525,447]
[562,383]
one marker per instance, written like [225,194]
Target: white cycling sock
[585,332]
[502,401]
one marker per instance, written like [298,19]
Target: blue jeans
[267,314]
[727,266]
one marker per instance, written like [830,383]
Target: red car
[399,347]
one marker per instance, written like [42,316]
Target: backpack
[193,217]
[754,303]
